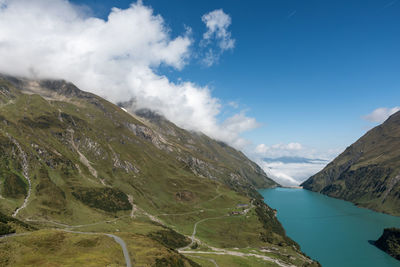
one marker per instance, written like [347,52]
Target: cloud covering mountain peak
[116,58]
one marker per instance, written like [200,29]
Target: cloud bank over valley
[292,163]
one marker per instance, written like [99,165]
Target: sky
[273,78]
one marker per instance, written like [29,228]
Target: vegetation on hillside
[170,238]
[8,225]
[367,172]
[390,242]
[95,168]
[107,199]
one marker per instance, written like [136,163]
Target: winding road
[116,239]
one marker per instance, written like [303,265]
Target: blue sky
[272,78]
[306,70]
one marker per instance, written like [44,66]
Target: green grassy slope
[368,172]
[93,167]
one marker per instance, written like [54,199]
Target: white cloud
[292,163]
[278,150]
[293,149]
[261,149]
[240,123]
[291,174]
[217,23]
[379,115]
[116,58]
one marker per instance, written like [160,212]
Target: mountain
[86,182]
[390,242]
[367,172]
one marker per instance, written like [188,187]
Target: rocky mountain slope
[390,242]
[367,172]
[91,176]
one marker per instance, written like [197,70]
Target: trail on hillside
[219,251]
[184,250]
[239,254]
[217,196]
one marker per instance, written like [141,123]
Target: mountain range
[87,182]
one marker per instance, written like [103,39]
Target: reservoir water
[332,231]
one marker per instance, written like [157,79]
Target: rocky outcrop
[390,242]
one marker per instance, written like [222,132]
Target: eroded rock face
[198,167]
[149,135]
[390,242]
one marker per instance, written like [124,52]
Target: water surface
[332,231]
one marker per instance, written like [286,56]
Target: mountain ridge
[97,168]
[367,172]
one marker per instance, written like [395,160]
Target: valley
[84,173]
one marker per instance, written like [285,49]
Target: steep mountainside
[72,163]
[390,242]
[368,172]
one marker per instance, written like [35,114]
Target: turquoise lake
[332,231]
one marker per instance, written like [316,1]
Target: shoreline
[292,187]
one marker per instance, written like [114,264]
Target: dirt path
[180,214]
[219,251]
[193,236]
[217,196]
[239,254]
[203,220]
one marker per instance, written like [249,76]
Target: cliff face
[390,242]
[367,173]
